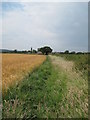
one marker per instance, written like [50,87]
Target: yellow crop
[16,66]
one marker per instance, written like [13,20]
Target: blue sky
[59,25]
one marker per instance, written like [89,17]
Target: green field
[57,89]
[80,60]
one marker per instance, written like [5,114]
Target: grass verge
[80,61]
[75,100]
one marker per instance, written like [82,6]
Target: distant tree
[73,52]
[34,51]
[79,52]
[66,52]
[61,53]
[15,51]
[24,51]
[31,49]
[45,50]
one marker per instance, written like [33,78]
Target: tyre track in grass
[75,100]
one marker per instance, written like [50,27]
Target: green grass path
[75,100]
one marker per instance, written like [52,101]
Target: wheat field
[16,66]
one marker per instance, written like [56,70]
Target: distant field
[16,66]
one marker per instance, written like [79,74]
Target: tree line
[43,50]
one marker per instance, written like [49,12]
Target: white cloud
[41,24]
[45,0]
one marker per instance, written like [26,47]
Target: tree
[45,50]
[73,52]
[15,51]
[79,52]
[31,49]
[66,52]
[34,51]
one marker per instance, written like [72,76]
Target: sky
[62,26]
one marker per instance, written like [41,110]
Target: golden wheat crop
[16,66]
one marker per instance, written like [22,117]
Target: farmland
[16,66]
[80,62]
[56,89]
